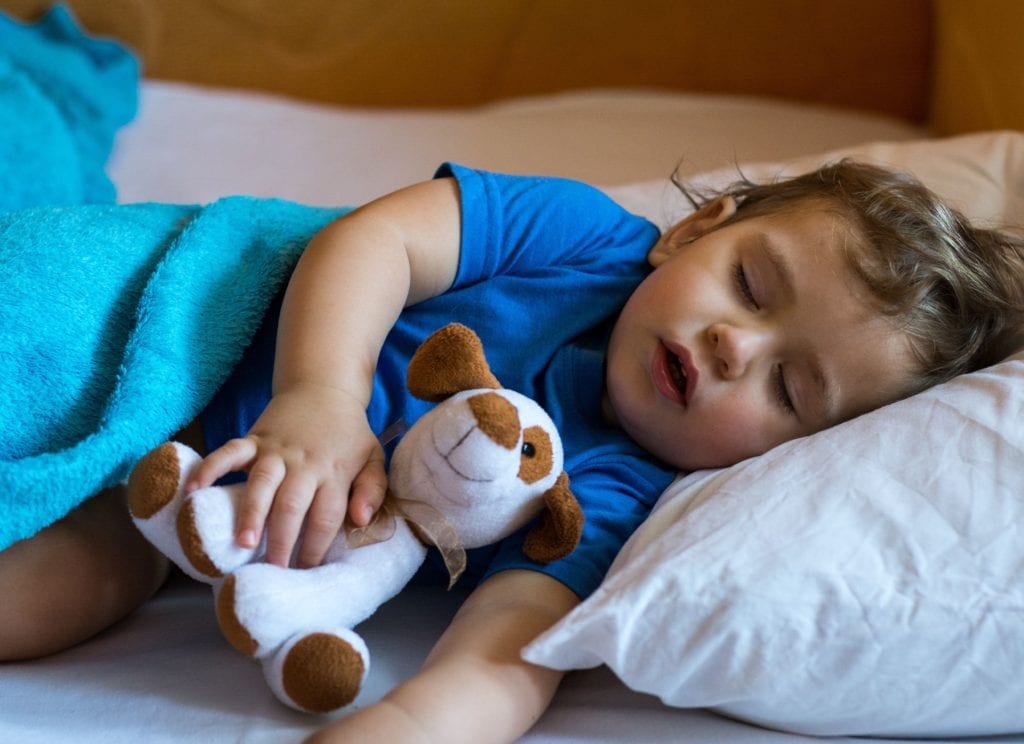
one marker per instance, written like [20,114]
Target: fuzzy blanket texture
[117,322]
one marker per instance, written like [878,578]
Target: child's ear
[705,219]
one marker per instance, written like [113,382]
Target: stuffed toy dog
[477,467]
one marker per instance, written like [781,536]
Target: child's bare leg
[75,578]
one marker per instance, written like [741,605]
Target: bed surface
[165,674]
[195,144]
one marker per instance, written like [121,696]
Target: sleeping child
[772,312]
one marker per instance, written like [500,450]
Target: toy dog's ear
[560,525]
[449,361]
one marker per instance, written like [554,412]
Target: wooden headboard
[950,63]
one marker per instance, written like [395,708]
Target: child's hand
[311,458]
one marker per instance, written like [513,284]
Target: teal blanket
[117,322]
[63,96]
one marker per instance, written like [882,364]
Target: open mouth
[677,373]
[674,374]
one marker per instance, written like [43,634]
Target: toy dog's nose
[497,418]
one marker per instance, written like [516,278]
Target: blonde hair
[956,290]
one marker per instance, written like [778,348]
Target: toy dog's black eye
[537,455]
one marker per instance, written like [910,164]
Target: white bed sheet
[192,144]
[165,674]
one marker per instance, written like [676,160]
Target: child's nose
[734,348]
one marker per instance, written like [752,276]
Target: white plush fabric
[868,580]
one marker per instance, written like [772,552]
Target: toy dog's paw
[158,478]
[319,672]
[155,495]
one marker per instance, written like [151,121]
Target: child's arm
[474,687]
[312,448]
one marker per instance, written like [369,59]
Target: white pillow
[867,580]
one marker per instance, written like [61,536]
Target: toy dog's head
[489,459]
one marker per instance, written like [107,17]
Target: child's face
[747,335]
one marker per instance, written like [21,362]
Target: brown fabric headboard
[900,57]
[978,77]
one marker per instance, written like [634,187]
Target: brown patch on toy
[192,544]
[449,361]
[497,418]
[154,481]
[230,626]
[560,525]
[538,455]
[322,673]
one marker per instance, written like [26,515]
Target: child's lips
[674,374]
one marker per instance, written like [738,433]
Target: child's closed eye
[743,286]
[781,391]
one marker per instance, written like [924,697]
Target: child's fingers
[287,514]
[323,522]
[264,478]
[368,491]
[235,454]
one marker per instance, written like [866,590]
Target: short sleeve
[517,225]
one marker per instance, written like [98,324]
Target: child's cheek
[735,433]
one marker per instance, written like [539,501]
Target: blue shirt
[545,265]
